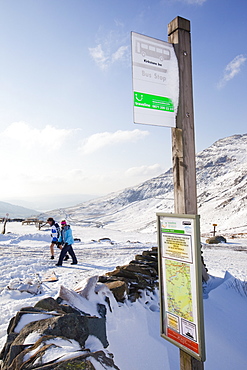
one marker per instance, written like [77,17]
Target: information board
[155,81]
[180,279]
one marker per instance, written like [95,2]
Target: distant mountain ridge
[221,191]
[15,211]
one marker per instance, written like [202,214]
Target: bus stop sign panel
[155,81]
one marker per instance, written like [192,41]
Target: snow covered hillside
[15,211]
[221,189]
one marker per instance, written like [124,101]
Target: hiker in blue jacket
[66,239]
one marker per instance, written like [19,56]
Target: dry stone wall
[69,323]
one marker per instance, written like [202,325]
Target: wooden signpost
[214,232]
[156,68]
[183,142]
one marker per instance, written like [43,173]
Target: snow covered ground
[132,329]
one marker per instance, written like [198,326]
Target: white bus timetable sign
[180,280]
[155,81]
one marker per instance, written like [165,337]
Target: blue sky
[66,115]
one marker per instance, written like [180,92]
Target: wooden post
[183,141]
[4,225]
[214,232]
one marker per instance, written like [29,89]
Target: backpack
[58,229]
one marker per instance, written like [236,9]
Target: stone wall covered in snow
[61,333]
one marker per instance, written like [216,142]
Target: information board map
[179,301]
[181,310]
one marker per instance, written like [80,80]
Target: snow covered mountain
[222,184]
[221,189]
[15,211]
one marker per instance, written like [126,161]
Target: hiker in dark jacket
[66,239]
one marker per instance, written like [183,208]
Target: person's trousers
[67,249]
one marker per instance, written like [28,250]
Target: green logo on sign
[173,231]
[153,102]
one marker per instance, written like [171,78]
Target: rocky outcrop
[60,322]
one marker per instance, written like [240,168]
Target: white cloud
[144,171]
[232,69]
[104,139]
[105,58]
[119,54]
[30,158]
[118,23]
[99,56]
[28,137]
[39,161]
[112,46]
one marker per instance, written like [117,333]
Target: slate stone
[118,288]
[216,240]
[48,304]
